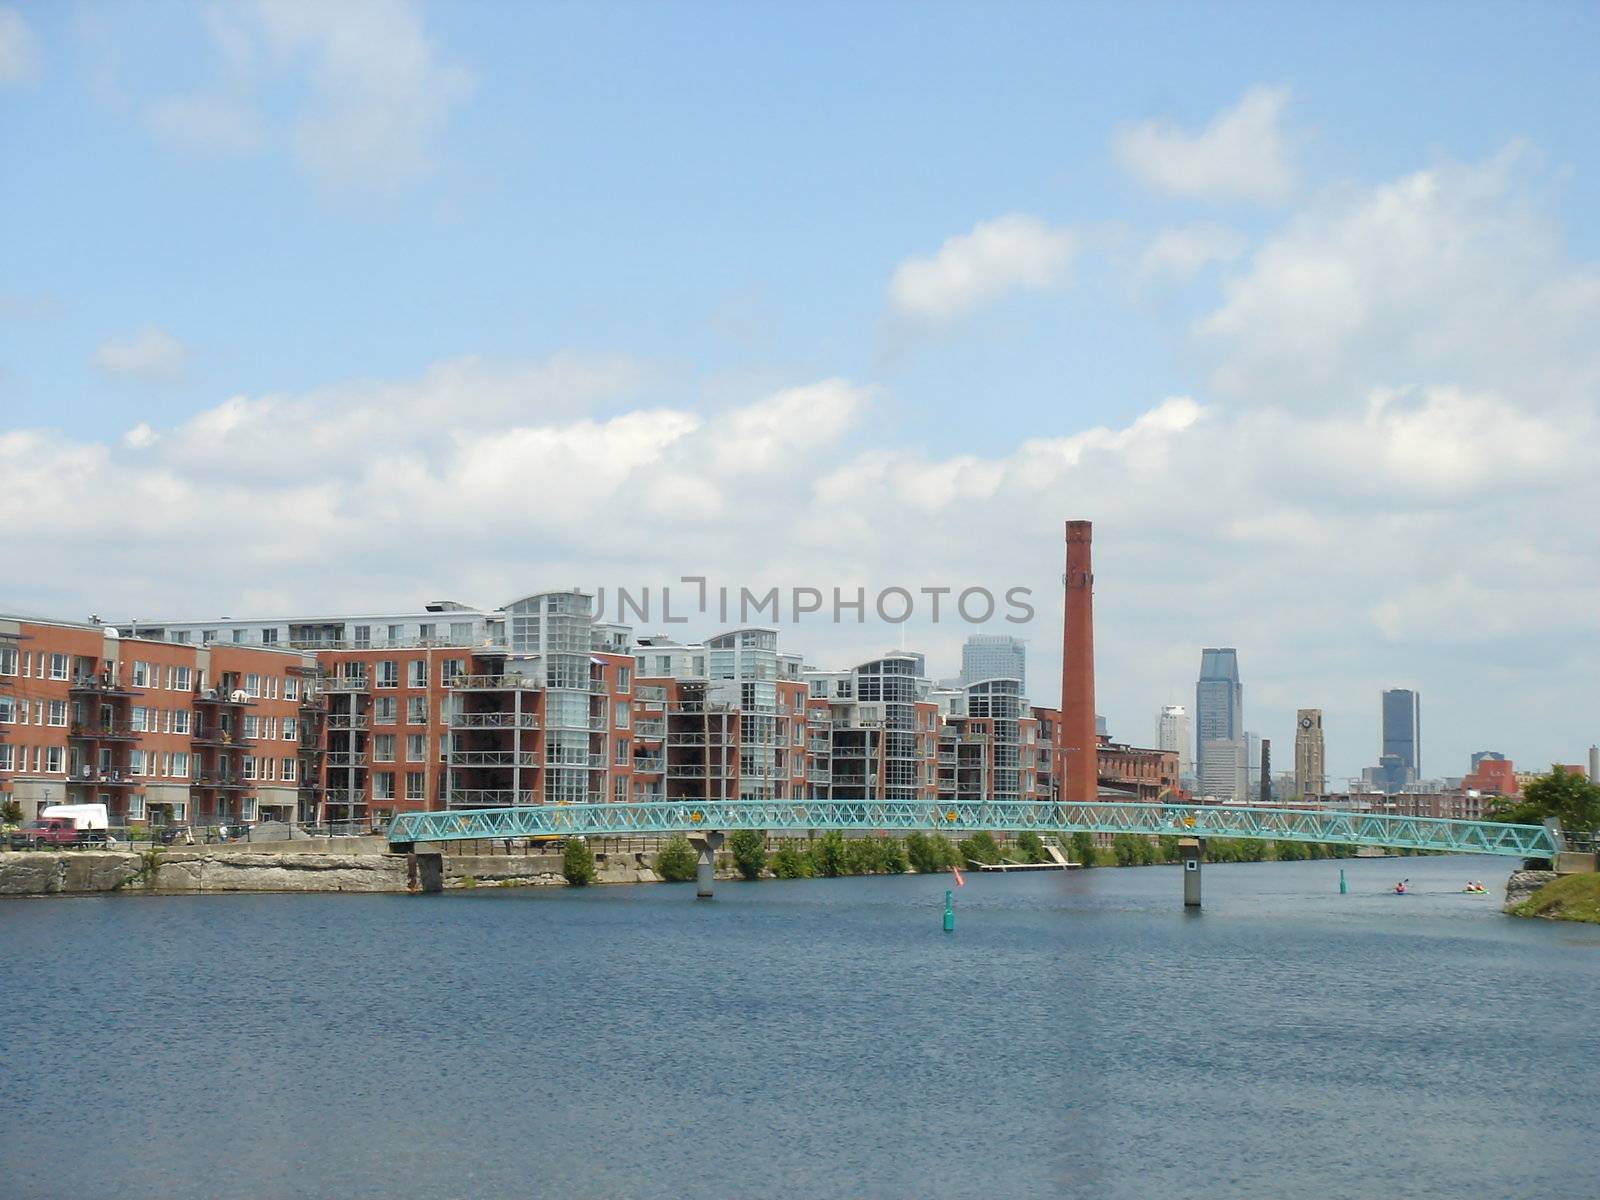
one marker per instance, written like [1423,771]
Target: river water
[1077,1035]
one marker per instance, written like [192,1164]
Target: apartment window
[238,637]
[460,632]
[252,728]
[8,660]
[141,674]
[620,709]
[383,747]
[383,785]
[53,759]
[619,788]
[417,710]
[448,670]
[388,673]
[623,746]
[136,762]
[291,728]
[252,686]
[139,718]
[180,720]
[250,766]
[417,673]
[207,636]
[425,632]
[58,666]
[289,768]
[624,679]
[180,765]
[58,712]
[383,710]
[396,632]
[416,747]
[363,637]
[8,710]
[269,637]
[5,757]
[135,808]
[291,688]
[181,679]
[415,782]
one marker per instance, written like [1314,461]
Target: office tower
[1594,764]
[1173,733]
[1265,775]
[1219,725]
[1402,731]
[1252,766]
[1480,756]
[1310,776]
[994,656]
[1077,751]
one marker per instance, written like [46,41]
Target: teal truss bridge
[715,817]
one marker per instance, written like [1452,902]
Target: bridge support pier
[707,844]
[1189,849]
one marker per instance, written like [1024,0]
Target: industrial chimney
[1077,749]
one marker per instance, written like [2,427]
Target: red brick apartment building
[153,730]
[332,721]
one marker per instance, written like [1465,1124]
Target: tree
[1126,849]
[1568,797]
[10,813]
[928,852]
[1083,848]
[749,850]
[677,862]
[789,863]
[577,862]
[1031,846]
[979,848]
[828,854]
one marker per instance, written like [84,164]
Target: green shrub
[929,852]
[1030,848]
[789,863]
[749,850]
[1083,849]
[677,862]
[577,862]
[1167,848]
[829,857]
[979,848]
[860,857]
[891,856]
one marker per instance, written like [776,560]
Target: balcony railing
[220,738]
[106,733]
[649,731]
[343,758]
[494,758]
[586,761]
[490,797]
[221,783]
[348,720]
[494,683]
[495,721]
[649,765]
[347,683]
[103,684]
[110,779]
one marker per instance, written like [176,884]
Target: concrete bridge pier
[707,844]
[1190,850]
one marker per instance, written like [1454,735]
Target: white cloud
[140,436]
[1182,253]
[1447,274]
[755,437]
[1240,155]
[370,94]
[1006,254]
[149,354]
[19,52]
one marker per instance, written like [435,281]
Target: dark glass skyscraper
[1402,730]
[1219,725]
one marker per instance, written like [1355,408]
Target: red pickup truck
[48,831]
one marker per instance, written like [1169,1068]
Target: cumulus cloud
[19,53]
[1005,254]
[1183,252]
[1240,155]
[1451,273]
[151,353]
[371,93]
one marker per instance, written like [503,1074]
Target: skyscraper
[1173,733]
[1310,776]
[1219,724]
[994,656]
[1402,731]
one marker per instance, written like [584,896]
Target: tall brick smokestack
[1076,752]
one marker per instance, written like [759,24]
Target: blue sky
[615,234]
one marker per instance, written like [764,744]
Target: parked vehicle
[44,833]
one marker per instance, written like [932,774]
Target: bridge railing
[968,816]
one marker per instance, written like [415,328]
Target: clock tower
[1310,778]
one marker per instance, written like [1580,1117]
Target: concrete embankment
[225,869]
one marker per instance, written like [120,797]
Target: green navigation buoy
[949,912]
[1342,888]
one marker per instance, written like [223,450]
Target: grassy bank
[1572,898]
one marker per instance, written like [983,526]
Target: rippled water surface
[1078,1035]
